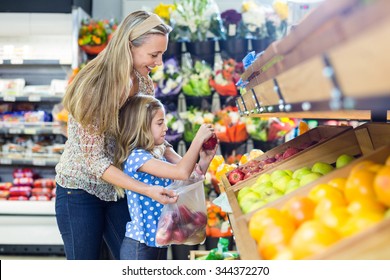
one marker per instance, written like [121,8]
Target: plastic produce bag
[184,222]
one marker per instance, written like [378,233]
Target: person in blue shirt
[140,153]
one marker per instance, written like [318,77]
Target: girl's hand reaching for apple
[206,156]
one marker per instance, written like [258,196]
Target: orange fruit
[223,169]
[244,159]
[299,209]
[365,205]
[382,185]
[274,240]
[216,162]
[335,217]
[363,165]
[311,238]
[265,218]
[359,222]
[322,191]
[338,183]
[360,185]
[284,253]
[328,203]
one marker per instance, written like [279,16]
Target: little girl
[140,153]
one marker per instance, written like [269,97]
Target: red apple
[200,219]
[185,213]
[210,143]
[290,152]
[179,235]
[163,236]
[235,176]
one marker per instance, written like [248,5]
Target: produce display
[269,187]
[306,225]
[183,226]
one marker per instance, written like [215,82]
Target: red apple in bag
[185,213]
[163,236]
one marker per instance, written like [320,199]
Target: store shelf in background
[372,243]
[36,161]
[31,98]
[29,227]
[31,128]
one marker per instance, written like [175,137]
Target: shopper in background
[140,153]
[89,209]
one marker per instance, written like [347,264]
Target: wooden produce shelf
[335,60]
[321,134]
[328,151]
[372,243]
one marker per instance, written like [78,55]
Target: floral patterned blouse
[87,156]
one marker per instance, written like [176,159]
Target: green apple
[249,207]
[277,174]
[322,168]
[300,172]
[242,192]
[292,186]
[263,178]
[289,172]
[309,178]
[259,187]
[273,197]
[281,183]
[343,160]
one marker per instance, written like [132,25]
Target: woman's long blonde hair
[135,122]
[95,95]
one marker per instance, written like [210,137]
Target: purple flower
[231,16]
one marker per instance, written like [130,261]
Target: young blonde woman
[140,153]
[89,207]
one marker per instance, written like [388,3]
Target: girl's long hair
[135,121]
[97,92]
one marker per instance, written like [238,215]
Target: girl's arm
[183,169]
[171,155]
[118,178]
[93,147]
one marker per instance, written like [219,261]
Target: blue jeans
[85,222]
[134,250]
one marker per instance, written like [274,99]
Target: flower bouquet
[196,87]
[199,24]
[268,133]
[94,35]
[193,118]
[175,129]
[231,131]
[164,11]
[168,82]
[236,45]
[224,80]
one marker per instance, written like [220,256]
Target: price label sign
[9,98]
[15,131]
[30,131]
[39,162]
[34,98]
[5,161]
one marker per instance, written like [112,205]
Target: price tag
[232,30]
[30,131]
[5,161]
[39,162]
[9,98]
[34,98]
[15,131]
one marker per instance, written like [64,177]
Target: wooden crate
[373,243]
[372,136]
[315,134]
[344,143]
